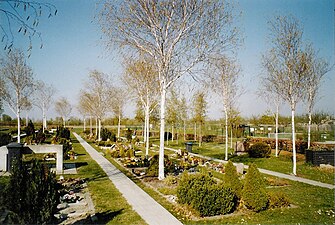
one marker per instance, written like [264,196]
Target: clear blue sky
[72,47]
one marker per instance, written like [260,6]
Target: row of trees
[99,97]
[293,71]
[21,91]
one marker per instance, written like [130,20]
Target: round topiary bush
[259,150]
[254,194]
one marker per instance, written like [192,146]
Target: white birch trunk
[146,130]
[99,133]
[309,130]
[294,171]
[200,135]
[84,124]
[44,120]
[96,127]
[231,137]
[18,126]
[226,154]
[172,130]
[91,126]
[27,119]
[119,125]
[195,131]
[276,131]
[161,175]
[184,130]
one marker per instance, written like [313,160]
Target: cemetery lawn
[310,204]
[110,206]
[281,164]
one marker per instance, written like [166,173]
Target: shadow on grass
[100,218]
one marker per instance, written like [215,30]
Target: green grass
[109,204]
[311,204]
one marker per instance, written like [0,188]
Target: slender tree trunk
[172,130]
[161,175]
[99,133]
[226,154]
[27,119]
[200,135]
[231,137]
[184,130]
[195,131]
[64,122]
[294,159]
[44,123]
[119,125]
[91,126]
[96,127]
[276,131]
[84,123]
[309,129]
[167,136]
[18,126]
[146,133]
[144,128]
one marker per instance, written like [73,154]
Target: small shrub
[170,180]
[5,139]
[232,180]
[259,150]
[254,193]
[152,170]
[205,195]
[30,129]
[32,192]
[278,200]
[40,137]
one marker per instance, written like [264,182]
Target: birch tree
[286,64]
[98,87]
[223,80]
[63,108]
[177,35]
[18,82]
[199,111]
[117,102]
[142,81]
[86,106]
[43,99]
[318,67]
[272,97]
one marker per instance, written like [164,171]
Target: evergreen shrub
[152,170]
[259,150]
[202,193]
[232,180]
[278,200]
[32,192]
[254,194]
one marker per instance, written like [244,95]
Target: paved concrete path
[269,172]
[142,203]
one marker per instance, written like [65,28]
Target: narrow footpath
[268,172]
[142,203]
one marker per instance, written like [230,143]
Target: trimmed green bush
[259,150]
[232,180]
[32,192]
[254,193]
[203,194]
